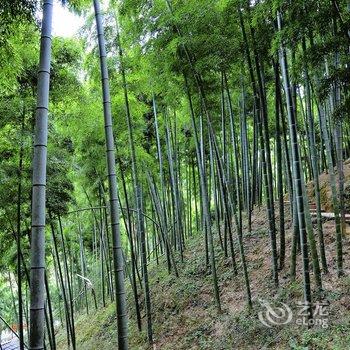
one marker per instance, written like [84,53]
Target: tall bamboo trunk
[205,202]
[161,177]
[174,192]
[19,269]
[113,190]
[232,207]
[134,169]
[129,229]
[163,236]
[314,162]
[297,174]
[144,266]
[37,269]
[69,328]
[335,202]
[279,167]
[69,282]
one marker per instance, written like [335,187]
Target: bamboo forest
[174,174]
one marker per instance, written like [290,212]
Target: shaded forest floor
[185,317]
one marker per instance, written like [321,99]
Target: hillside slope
[326,191]
[185,317]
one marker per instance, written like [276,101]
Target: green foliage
[162,41]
